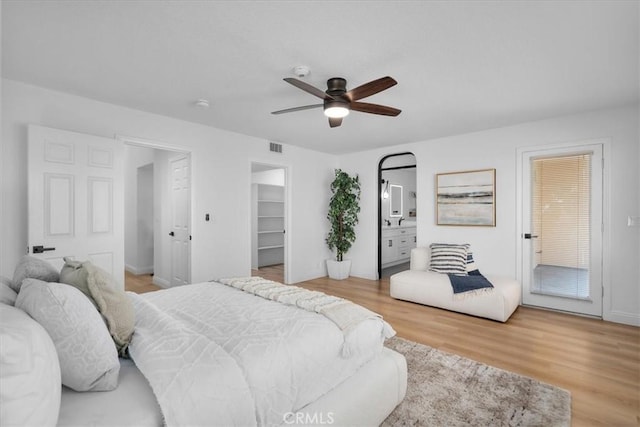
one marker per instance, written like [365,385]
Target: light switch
[633,221]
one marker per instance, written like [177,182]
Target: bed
[229,352]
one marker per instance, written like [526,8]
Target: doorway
[562,228]
[157,214]
[397,212]
[269,221]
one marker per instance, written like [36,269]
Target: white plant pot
[338,270]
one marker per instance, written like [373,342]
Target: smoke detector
[301,71]
[202,103]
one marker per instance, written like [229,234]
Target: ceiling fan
[338,101]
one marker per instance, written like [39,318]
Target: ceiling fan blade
[383,110]
[334,122]
[307,88]
[291,110]
[371,88]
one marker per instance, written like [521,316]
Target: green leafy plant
[343,212]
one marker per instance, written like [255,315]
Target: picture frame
[466,198]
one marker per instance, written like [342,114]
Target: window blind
[561,203]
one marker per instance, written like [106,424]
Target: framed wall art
[466,198]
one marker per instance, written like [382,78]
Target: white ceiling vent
[275,147]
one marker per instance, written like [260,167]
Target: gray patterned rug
[448,390]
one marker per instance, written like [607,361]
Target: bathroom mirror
[395,201]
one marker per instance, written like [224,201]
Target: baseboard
[138,270]
[612,316]
[161,282]
[308,277]
[364,275]
[632,319]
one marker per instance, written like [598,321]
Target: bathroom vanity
[397,242]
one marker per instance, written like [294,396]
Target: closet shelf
[268,222]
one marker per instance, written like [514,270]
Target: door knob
[171,233]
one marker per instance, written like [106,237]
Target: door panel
[562,220]
[76,198]
[58,205]
[180,220]
[100,205]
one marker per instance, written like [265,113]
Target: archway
[397,211]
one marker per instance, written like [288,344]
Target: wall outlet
[633,221]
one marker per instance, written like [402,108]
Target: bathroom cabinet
[397,243]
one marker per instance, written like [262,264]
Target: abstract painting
[466,198]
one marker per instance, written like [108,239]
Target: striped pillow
[471,263]
[449,258]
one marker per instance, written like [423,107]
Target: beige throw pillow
[113,303]
[106,295]
[74,274]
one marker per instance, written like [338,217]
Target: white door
[76,203]
[562,228]
[180,220]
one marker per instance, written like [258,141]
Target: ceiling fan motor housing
[336,86]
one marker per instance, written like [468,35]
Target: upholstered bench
[422,286]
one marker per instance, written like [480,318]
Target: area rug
[448,390]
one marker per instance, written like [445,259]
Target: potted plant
[343,215]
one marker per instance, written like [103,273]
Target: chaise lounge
[422,286]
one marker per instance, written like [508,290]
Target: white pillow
[88,358]
[29,371]
[34,268]
[420,258]
[472,267]
[7,295]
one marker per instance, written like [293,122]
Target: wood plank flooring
[597,361]
[272,272]
[139,283]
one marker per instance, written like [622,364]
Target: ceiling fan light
[336,112]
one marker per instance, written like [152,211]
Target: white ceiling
[461,66]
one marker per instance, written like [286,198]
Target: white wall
[134,158]
[145,219]
[495,248]
[221,167]
[271,177]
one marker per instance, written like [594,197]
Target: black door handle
[41,249]
[530,236]
[171,233]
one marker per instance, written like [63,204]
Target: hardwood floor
[139,284]
[272,272]
[597,361]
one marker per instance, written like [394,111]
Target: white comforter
[215,355]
